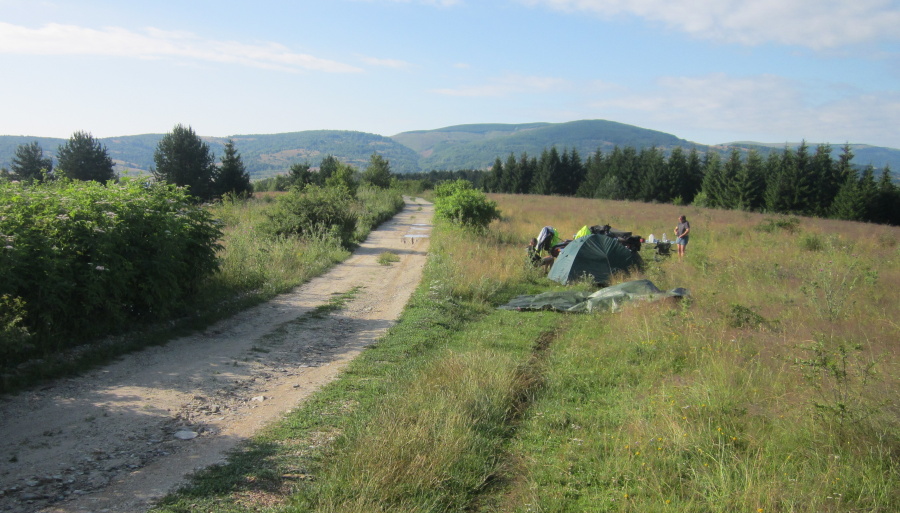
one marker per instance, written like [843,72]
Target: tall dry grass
[773,388]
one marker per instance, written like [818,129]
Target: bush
[459,203]
[315,211]
[82,259]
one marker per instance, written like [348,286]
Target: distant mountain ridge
[473,146]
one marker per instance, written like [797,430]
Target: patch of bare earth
[124,435]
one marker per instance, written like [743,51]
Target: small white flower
[100,268]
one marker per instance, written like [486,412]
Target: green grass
[772,388]
[388,258]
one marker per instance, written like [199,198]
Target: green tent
[595,255]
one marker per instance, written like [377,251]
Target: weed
[740,316]
[838,374]
[387,258]
[830,288]
[811,242]
[788,224]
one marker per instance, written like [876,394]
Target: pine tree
[825,180]
[749,183]
[779,190]
[233,177]
[694,180]
[83,158]
[594,168]
[512,175]
[527,168]
[727,180]
[677,171]
[848,204]
[887,202]
[183,159]
[712,180]
[628,173]
[494,177]
[655,184]
[29,163]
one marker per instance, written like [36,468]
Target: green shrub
[375,207]
[812,242]
[315,212]
[459,203]
[788,224]
[82,259]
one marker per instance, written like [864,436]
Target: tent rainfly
[596,256]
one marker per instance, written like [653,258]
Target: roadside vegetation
[89,271]
[772,388]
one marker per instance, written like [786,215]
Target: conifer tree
[655,184]
[233,177]
[494,177]
[29,163]
[83,158]
[512,175]
[825,180]
[183,159]
[712,180]
[848,204]
[887,202]
[677,171]
[694,180]
[749,183]
[594,168]
[527,169]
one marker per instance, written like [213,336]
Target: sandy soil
[124,435]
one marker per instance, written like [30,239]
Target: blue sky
[710,71]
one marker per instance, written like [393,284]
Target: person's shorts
[682,240]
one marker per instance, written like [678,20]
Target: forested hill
[263,155]
[458,147]
[477,146]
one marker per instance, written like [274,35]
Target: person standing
[681,235]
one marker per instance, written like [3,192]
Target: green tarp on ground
[595,256]
[609,299]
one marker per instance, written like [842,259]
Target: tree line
[181,158]
[331,173]
[790,181]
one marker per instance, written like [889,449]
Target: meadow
[772,388]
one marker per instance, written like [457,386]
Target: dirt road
[124,435]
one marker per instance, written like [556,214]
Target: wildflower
[100,268]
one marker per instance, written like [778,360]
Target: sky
[709,71]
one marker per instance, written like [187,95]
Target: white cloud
[507,85]
[151,43]
[439,3]
[764,107]
[816,24]
[385,63]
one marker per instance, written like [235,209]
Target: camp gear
[582,232]
[595,256]
[547,238]
[609,299]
